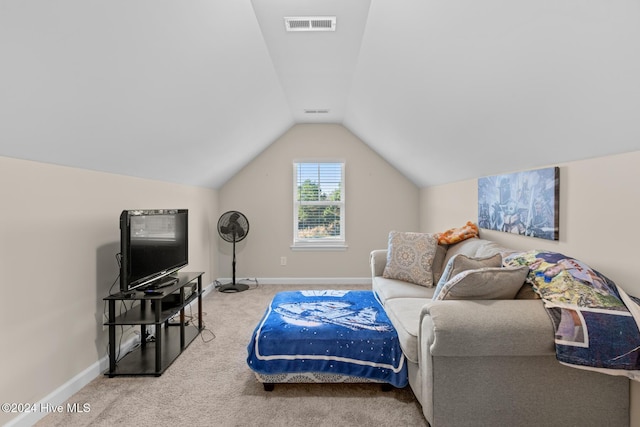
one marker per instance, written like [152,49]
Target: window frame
[319,243]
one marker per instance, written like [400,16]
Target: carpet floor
[210,384]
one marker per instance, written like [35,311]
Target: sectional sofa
[490,362]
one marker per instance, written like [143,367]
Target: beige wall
[378,199]
[59,237]
[599,212]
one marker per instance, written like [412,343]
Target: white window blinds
[318,202]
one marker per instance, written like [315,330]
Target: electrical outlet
[283,260]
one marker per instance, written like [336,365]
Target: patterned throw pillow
[460,262]
[410,257]
[484,284]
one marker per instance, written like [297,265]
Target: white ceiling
[191,91]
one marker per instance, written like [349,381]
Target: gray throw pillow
[485,283]
[460,262]
[410,257]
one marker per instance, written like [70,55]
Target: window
[318,205]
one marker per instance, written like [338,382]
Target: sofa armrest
[467,328]
[377,261]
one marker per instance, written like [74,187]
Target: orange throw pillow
[456,235]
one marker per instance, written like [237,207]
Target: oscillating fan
[233,227]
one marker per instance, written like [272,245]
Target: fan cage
[227,222]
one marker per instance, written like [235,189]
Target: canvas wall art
[521,203]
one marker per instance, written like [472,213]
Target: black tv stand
[153,358]
[162,283]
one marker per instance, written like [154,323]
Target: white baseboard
[68,389]
[302,280]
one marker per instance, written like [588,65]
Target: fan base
[231,287]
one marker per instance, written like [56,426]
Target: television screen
[153,245]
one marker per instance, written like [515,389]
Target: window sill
[318,246]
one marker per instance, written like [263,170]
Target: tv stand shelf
[171,339]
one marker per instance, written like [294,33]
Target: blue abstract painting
[523,203]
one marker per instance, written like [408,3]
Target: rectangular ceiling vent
[316,111]
[310,23]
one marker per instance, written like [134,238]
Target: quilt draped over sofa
[596,324]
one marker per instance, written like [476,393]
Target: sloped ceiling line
[444,91]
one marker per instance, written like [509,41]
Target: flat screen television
[153,245]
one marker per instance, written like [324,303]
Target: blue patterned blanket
[597,325]
[328,331]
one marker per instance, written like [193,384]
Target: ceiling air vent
[316,111]
[310,23]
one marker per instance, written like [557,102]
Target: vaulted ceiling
[191,91]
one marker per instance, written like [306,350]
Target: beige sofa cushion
[387,289]
[438,262]
[404,313]
[474,247]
